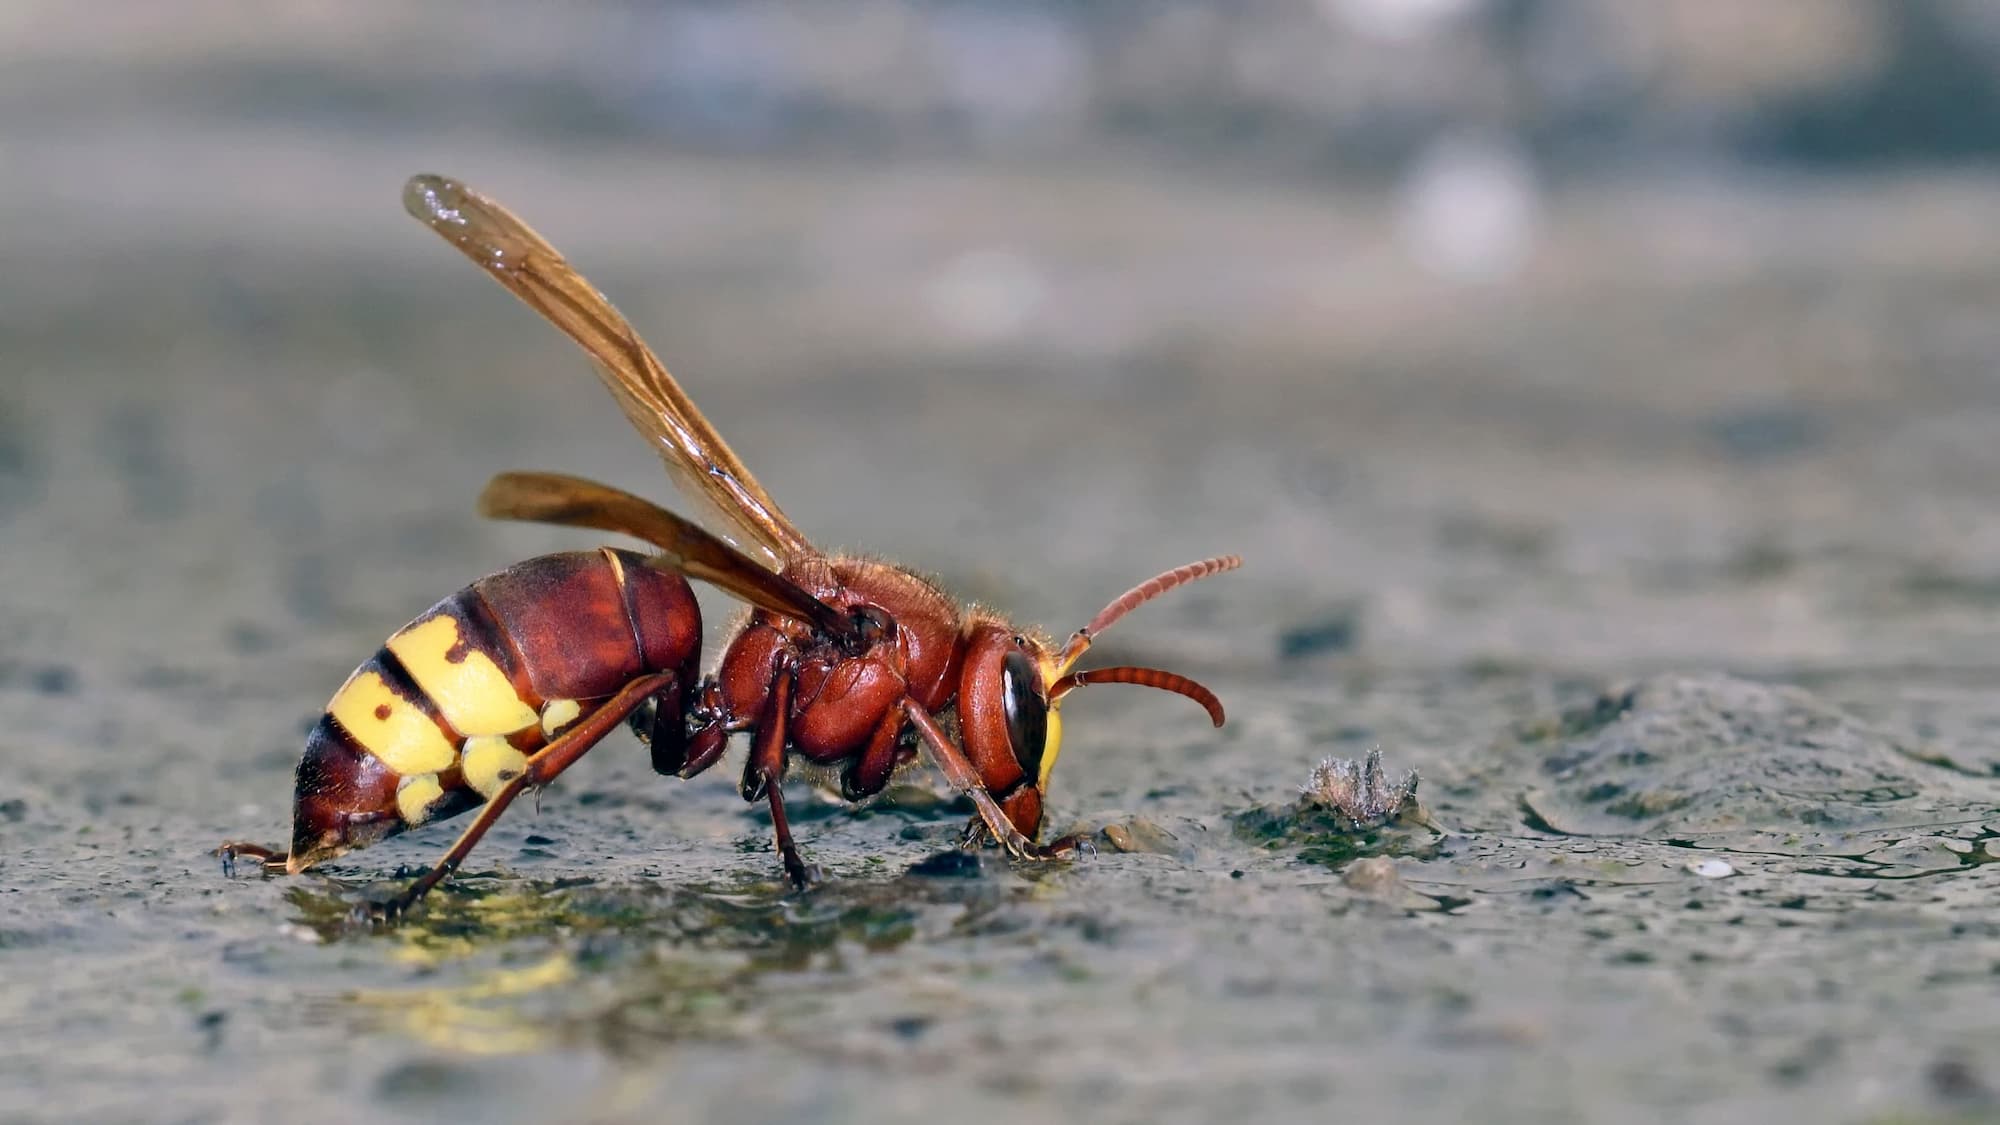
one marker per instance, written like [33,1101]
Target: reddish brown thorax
[841,696]
[843,702]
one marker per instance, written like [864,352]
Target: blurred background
[1519,345]
[1481,319]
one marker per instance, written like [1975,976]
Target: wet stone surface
[1687,758]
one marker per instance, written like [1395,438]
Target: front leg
[959,773]
[978,835]
[1022,804]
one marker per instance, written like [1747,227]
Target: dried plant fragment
[1361,793]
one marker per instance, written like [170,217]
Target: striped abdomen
[448,710]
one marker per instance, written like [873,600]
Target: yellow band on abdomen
[390,727]
[469,689]
[489,762]
[416,797]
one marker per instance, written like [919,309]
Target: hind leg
[542,767]
[269,861]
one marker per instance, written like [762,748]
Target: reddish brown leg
[542,767]
[766,765]
[781,831]
[764,773]
[1023,805]
[962,777]
[666,735]
[871,771]
[705,749]
[271,861]
[714,725]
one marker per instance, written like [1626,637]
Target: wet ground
[1671,566]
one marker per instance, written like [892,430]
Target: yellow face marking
[1051,746]
[489,763]
[416,796]
[559,713]
[1052,740]
[470,691]
[390,727]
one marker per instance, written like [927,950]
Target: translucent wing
[701,463]
[684,546]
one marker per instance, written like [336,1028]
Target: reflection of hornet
[847,663]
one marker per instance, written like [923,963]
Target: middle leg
[870,772]
[764,773]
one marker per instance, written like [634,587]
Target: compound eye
[1027,712]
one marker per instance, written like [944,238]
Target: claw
[1070,847]
[975,835]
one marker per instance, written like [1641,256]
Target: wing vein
[701,463]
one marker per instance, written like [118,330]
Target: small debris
[1710,868]
[1956,1078]
[1360,792]
[1336,631]
[1347,810]
[1767,433]
[950,865]
[55,679]
[910,1028]
[1506,1031]
[210,1024]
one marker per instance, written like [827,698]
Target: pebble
[1141,835]
[1374,875]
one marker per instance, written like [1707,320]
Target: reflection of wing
[575,502]
[699,460]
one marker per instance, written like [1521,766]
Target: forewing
[706,470]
